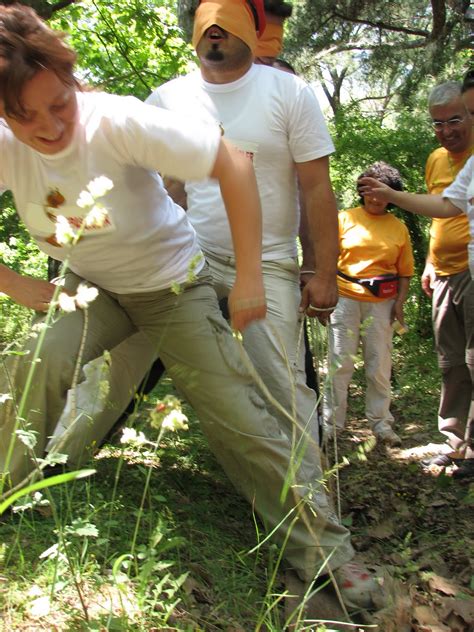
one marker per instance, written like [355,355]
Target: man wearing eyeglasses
[446,277]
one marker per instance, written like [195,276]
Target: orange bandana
[234,16]
[271,42]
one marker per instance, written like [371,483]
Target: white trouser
[353,322]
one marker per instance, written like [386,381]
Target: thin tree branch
[379,24]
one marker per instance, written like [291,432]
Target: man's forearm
[321,214]
[307,247]
[322,217]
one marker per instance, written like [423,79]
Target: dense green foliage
[125,47]
[391,55]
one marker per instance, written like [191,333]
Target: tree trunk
[186,10]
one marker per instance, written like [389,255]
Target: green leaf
[27,437]
[47,482]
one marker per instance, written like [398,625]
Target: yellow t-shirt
[371,245]
[449,236]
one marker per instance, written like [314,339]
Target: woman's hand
[375,189]
[397,313]
[247,302]
[32,293]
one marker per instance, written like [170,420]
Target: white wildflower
[85,295]
[40,607]
[132,437]
[100,186]
[66,302]
[96,217]
[85,200]
[64,232]
[175,420]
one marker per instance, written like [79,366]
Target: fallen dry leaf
[462,607]
[443,585]
[456,623]
[425,615]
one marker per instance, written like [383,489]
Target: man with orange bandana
[270,43]
[446,276]
[274,118]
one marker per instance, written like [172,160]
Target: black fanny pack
[382,286]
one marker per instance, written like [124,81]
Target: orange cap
[234,16]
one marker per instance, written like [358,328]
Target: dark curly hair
[384,173]
[28,45]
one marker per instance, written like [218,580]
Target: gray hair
[444,93]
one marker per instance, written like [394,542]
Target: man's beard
[215,54]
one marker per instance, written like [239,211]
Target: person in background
[374,269]
[275,120]
[446,277]
[269,46]
[457,199]
[270,42]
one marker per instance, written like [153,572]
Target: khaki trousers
[189,334]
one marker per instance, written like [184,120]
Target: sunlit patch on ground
[422,451]
[105,605]
[130,455]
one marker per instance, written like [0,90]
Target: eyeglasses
[451,123]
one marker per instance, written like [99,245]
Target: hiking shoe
[441,460]
[359,589]
[306,602]
[388,436]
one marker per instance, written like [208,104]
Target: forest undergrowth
[157,539]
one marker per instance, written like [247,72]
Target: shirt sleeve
[309,136]
[165,141]
[457,192]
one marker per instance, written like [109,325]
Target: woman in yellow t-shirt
[374,269]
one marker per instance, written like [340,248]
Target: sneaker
[441,460]
[306,602]
[359,589]
[388,436]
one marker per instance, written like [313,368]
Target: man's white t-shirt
[147,242]
[275,118]
[461,194]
